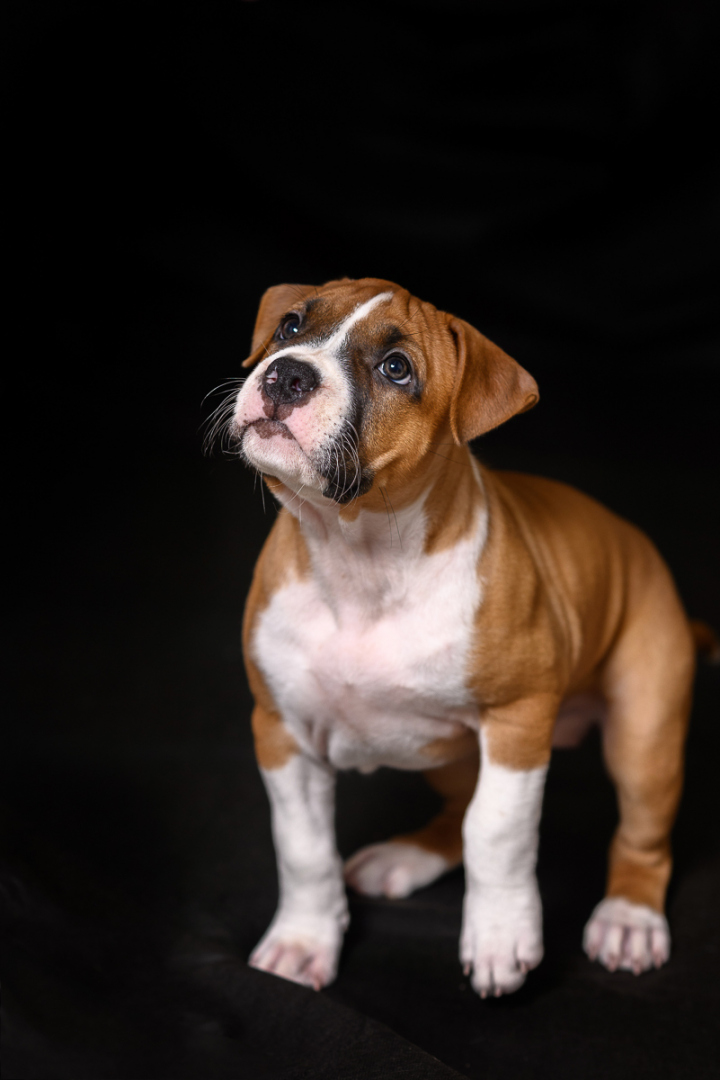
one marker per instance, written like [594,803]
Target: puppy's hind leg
[405,863]
[648,686]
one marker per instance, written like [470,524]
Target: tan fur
[453,500]
[274,744]
[489,386]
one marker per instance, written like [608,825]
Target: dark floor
[161,185]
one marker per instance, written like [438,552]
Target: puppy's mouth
[334,468]
[281,456]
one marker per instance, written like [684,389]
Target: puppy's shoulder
[283,559]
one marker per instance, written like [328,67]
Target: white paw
[305,951]
[501,937]
[393,869]
[628,936]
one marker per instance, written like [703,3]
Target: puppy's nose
[288,380]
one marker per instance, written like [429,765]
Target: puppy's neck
[445,484]
[374,530]
[367,554]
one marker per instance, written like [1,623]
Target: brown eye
[289,326]
[396,368]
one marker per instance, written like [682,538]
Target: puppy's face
[355,382]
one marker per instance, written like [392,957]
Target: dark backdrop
[546,169]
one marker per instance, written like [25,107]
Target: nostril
[289,380]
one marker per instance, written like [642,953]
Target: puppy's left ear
[276,302]
[490,387]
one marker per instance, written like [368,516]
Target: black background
[546,170]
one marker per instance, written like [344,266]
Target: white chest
[363,682]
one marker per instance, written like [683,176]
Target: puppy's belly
[399,740]
[391,692]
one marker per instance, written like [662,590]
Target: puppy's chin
[269,446]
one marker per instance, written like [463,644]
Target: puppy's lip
[266,429]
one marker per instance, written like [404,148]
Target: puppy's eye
[396,368]
[289,326]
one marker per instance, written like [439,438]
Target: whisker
[296,495]
[351,440]
[238,379]
[387,511]
[345,450]
[218,420]
[446,458]
[396,522]
[262,489]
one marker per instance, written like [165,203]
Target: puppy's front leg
[502,915]
[304,939]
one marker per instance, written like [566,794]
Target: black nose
[288,380]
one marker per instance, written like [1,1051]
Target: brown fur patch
[454,501]
[519,734]
[490,386]
[454,748]
[639,876]
[284,557]
[274,745]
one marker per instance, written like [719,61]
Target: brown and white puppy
[412,609]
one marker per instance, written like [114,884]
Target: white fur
[367,658]
[628,936]
[393,869]
[502,915]
[304,939]
[360,312]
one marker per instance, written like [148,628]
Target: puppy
[413,609]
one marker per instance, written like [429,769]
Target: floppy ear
[489,388]
[275,302]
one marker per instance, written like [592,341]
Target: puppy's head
[355,382]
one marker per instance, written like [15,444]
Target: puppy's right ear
[490,387]
[275,303]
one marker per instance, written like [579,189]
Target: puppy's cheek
[313,424]
[310,436]
[387,435]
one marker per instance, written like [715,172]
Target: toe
[627,936]
[637,957]
[611,949]
[659,945]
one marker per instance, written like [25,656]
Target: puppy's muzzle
[289,382]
